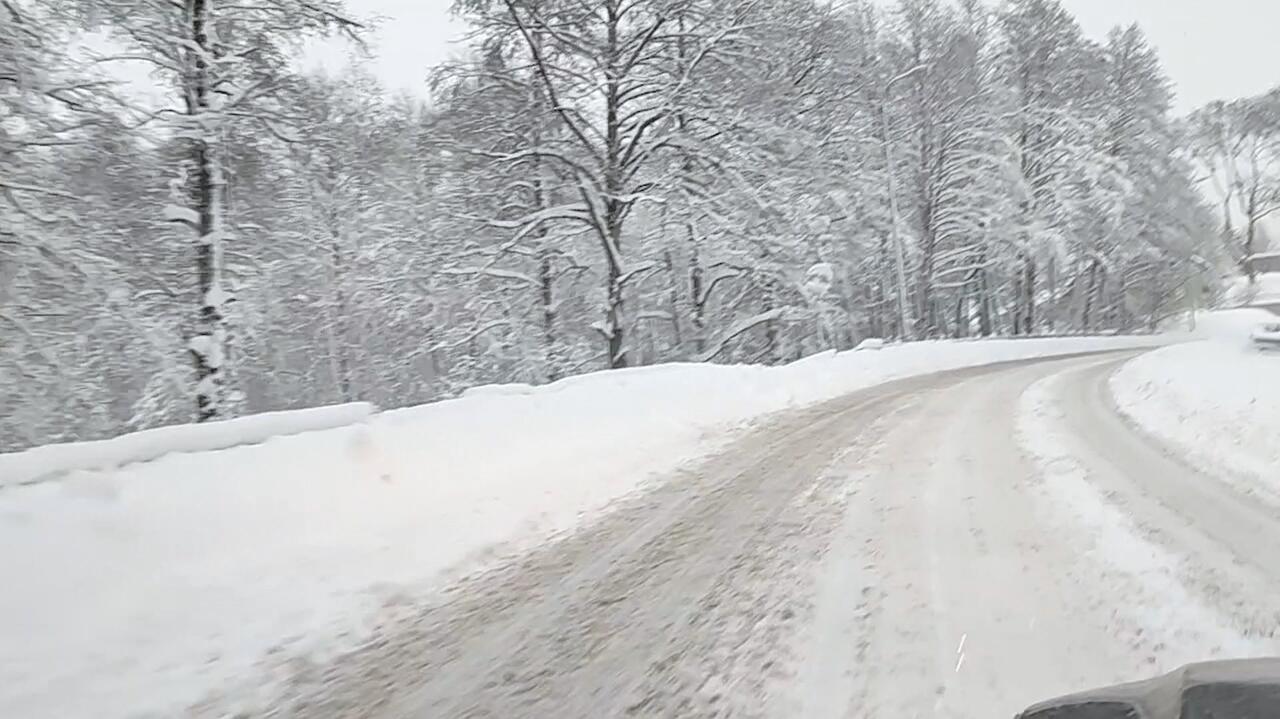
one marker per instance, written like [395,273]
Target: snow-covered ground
[1264,290]
[1008,540]
[138,590]
[1216,401]
[1158,601]
[54,460]
[890,553]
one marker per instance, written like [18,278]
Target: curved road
[958,545]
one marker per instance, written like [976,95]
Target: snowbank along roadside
[141,589]
[1216,402]
[55,460]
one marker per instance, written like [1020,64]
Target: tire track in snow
[941,546]
[677,602]
[1187,596]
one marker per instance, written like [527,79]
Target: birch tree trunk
[208,344]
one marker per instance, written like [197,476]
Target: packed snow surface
[1008,539]
[142,588]
[1157,601]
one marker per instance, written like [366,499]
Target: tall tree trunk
[339,314]
[1029,296]
[697,300]
[614,208]
[1091,289]
[1228,230]
[338,321]
[1250,234]
[927,319]
[773,350]
[1018,298]
[697,290]
[208,344]
[546,280]
[1054,308]
[891,318]
[984,304]
[541,199]
[673,302]
[1101,293]
[613,319]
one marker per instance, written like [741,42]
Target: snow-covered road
[957,545]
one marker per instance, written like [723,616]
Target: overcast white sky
[1211,48]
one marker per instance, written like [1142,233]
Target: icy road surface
[958,545]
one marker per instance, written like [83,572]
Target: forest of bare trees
[601,184]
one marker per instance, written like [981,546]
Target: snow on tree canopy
[765,166]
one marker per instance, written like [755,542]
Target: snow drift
[54,460]
[141,589]
[1264,290]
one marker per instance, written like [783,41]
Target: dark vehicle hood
[1233,689]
